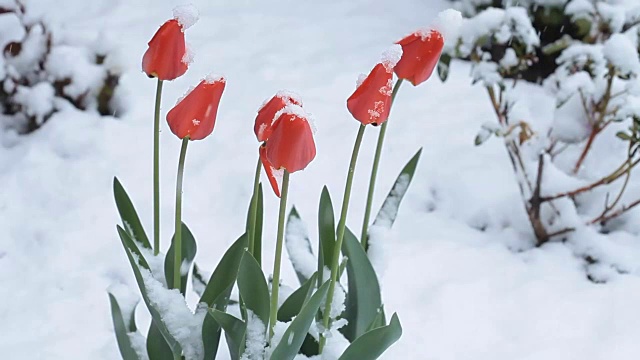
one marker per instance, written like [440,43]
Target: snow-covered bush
[41,72]
[586,56]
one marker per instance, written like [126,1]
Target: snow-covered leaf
[292,305]
[128,214]
[374,343]
[389,209]
[155,315]
[189,249]
[296,238]
[363,297]
[122,328]
[157,346]
[295,334]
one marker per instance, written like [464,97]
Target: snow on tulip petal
[420,54]
[267,112]
[274,175]
[195,114]
[291,145]
[167,52]
[186,15]
[371,102]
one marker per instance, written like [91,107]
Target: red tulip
[267,113]
[420,53]
[371,102]
[167,57]
[195,114]
[291,144]
[274,175]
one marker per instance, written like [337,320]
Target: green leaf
[253,287]
[128,214]
[122,330]
[363,297]
[155,315]
[224,276]
[210,337]
[374,343]
[293,304]
[298,244]
[189,248]
[443,67]
[623,135]
[389,209]
[234,330]
[295,334]
[327,233]
[157,346]
[379,321]
[257,241]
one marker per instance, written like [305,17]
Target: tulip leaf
[137,272]
[374,343]
[363,298]
[293,304]
[224,276]
[122,329]
[389,209]
[210,336]
[157,346]
[326,233]
[299,246]
[296,333]
[443,67]
[257,230]
[379,321]
[128,215]
[253,287]
[234,330]
[189,248]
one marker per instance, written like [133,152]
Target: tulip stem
[364,237]
[177,246]
[253,213]
[335,260]
[275,283]
[156,171]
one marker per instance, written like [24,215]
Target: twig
[604,219]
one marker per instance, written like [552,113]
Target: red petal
[164,57]
[420,56]
[195,115]
[270,171]
[371,102]
[291,145]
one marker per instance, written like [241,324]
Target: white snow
[188,55]
[187,15]
[623,54]
[378,248]
[37,100]
[256,336]
[448,23]
[390,57]
[213,78]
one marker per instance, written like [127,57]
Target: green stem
[177,246]
[335,260]
[253,212]
[275,284]
[364,237]
[156,171]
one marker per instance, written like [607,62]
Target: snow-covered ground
[461,293]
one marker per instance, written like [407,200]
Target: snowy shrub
[337,311]
[585,55]
[41,73]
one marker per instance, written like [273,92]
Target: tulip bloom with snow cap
[168,55]
[422,48]
[371,101]
[267,113]
[195,114]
